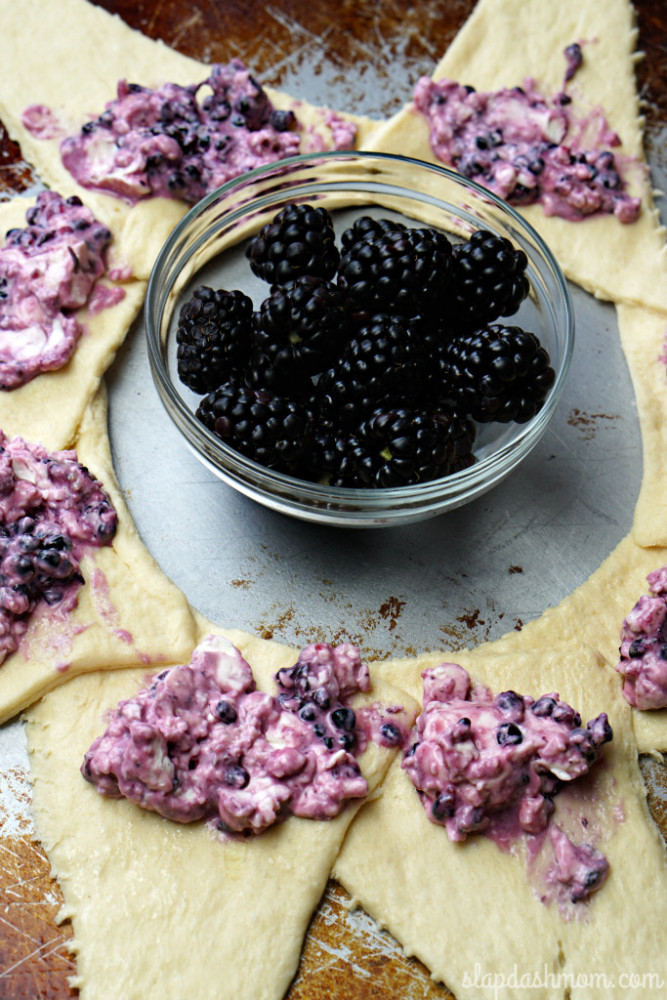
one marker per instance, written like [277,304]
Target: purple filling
[526,148]
[51,511]
[168,142]
[573,58]
[578,871]
[477,756]
[47,271]
[202,743]
[643,650]
[320,683]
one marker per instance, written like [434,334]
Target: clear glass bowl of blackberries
[358,339]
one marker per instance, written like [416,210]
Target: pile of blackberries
[369,365]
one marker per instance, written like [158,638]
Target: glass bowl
[208,247]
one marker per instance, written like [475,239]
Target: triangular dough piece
[166,910]
[37,44]
[593,614]
[595,611]
[643,338]
[505,41]
[128,612]
[49,409]
[468,911]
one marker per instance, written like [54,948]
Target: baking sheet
[456,581]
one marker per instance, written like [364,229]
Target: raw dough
[643,334]
[468,910]
[472,914]
[593,614]
[504,41]
[128,612]
[453,909]
[165,910]
[36,45]
[50,407]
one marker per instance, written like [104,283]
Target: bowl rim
[460,486]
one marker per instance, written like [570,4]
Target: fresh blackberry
[299,240]
[366,227]
[276,374]
[273,431]
[300,327]
[383,361]
[213,337]
[488,280]
[399,271]
[402,447]
[499,373]
[461,434]
[436,333]
[328,461]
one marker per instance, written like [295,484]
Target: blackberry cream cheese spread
[201,742]
[47,271]
[643,662]
[578,870]
[479,759]
[174,143]
[51,511]
[526,147]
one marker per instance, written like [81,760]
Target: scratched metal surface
[456,581]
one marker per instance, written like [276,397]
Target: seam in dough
[137,921]
[36,26]
[466,907]
[643,333]
[128,612]
[620,263]
[455,898]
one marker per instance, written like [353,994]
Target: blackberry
[436,336]
[400,271]
[328,461]
[299,240]
[275,373]
[461,433]
[213,337]
[499,373]
[403,447]
[366,226]
[488,280]
[300,327]
[273,431]
[383,361]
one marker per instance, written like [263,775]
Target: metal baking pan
[456,581]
